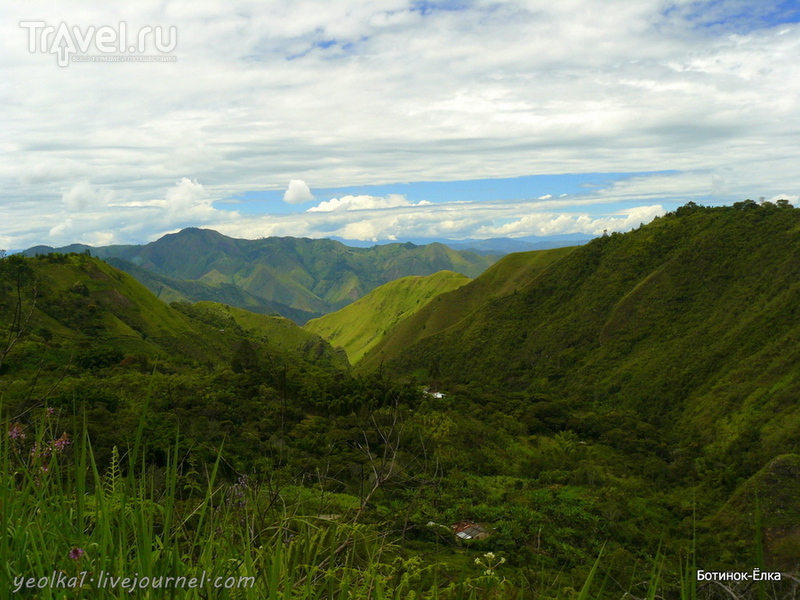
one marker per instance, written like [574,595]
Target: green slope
[300,278]
[359,326]
[691,321]
[75,305]
[503,278]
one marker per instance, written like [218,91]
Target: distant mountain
[359,326]
[298,278]
[188,290]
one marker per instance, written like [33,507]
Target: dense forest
[604,422]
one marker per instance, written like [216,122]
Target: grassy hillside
[359,326]
[504,277]
[77,307]
[298,278]
[212,287]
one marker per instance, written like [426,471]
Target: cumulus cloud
[297,192]
[188,202]
[363,202]
[58,232]
[548,223]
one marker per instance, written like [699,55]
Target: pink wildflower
[62,442]
[15,432]
[76,553]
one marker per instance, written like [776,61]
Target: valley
[607,419]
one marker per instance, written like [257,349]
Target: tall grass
[72,531]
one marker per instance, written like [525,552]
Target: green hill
[650,318]
[504,277]
[690,322]
[359,326]
[633,399]
[298,278]
[76,307]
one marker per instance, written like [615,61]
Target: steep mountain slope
[691,324]
[74,307]
[359,326]
[505,277]
[310,277]
[691,319]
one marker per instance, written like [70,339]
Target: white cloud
[187,197]
[360,92]
[362,203]
[59,231]
[298,192]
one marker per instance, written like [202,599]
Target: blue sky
[393,119]
[530,187]
[738,16]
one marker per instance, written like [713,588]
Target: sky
[388,119]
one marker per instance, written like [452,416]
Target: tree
[14,269]
[245,358]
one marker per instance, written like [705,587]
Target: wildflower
[76,553]
[15,432]
[51,411]
[489,562]
[62,442]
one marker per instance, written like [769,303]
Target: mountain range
[494,246]
[298,278]
[641,388]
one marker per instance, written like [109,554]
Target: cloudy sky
[389,119]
